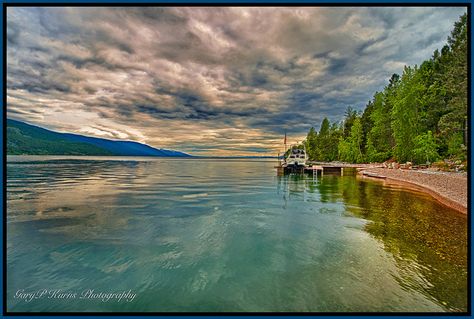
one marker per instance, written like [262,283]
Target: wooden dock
[313,169]
[325,169]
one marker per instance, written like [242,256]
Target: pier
[312,169]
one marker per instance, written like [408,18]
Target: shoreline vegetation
[420,117]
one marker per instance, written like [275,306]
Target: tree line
[420,116]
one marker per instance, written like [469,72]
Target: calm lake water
[225,235]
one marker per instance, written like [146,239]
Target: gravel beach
[448,188]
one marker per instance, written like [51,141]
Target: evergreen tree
[379,146]
[322,146]
[349,119]
[324,141]
[454,125]
[311,143]
[367,123]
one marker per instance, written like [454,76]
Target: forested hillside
[420,116]
[26,139]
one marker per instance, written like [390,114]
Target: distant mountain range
[26,139]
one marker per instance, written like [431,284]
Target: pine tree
[311,143]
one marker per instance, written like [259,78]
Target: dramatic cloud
[225,81]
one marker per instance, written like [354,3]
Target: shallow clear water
[225,235]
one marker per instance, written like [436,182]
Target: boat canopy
[297,151]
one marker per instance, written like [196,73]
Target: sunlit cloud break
[208,81]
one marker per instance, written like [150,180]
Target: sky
[209,81]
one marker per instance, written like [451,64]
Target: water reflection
[427,240]
[212,235]
[419,233]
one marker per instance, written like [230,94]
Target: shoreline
[449,189]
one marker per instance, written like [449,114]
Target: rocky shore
[448,188]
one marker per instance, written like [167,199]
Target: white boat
[296,158]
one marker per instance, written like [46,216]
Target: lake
[224,235]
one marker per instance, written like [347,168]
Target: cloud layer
[225,81]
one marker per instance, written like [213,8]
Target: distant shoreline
[152,156]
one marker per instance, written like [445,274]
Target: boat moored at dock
[296,160]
